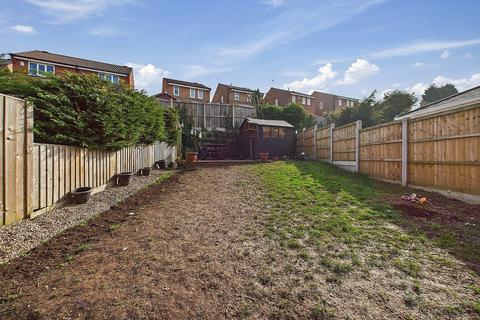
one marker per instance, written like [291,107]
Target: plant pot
[192,156]
[263,156]
[124,178]
[81,195]
[161,164]
[145,171]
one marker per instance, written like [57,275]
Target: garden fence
[213,115]
[439,152]
[34,177]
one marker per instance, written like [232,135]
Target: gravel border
[21,237]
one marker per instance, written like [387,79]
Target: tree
[434,93]
[293,114]
[256,98]
[362,111]
[394,103]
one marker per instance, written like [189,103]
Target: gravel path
[21,237]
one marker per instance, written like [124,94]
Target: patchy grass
[339,226]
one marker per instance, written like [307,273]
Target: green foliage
[293,114]
[172,125]
[372,111]
[434,93]
[83,110]
[257,98]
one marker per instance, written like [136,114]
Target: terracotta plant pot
[81,195]
[192,156]
[263,156]
[124,178]
[145,171]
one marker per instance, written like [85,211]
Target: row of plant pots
[82,195]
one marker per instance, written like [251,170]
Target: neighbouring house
[464,99]
[186,91]
[230,94]
[6,64]
[38,63]
[281,97]
[277,137]
[164,97]
[326,103]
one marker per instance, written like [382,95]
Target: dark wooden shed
[277,137]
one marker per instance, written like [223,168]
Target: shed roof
[458,100]
[270,123]
[72,61]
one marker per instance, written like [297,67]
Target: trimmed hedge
[83,110]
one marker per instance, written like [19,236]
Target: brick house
[186,91]
[281,97]
[232,95]
[36,63]
[327,103]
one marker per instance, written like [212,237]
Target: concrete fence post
[404,152]
[315,142]
[357,145]
[204,115]
[330,142]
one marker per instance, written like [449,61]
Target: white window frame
[304,100]
[308,101]
[294,100]
[192,91]
[38,74]
[200,94]
[109,77]
[340,102]
[176,91]
[321,105]
[236,96]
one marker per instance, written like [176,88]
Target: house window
[192,93]
[236,96]
[176,90]
[308,101]
[321,105]
[200,94]
[293,99]
[304,100]
[38,69]
[109,77]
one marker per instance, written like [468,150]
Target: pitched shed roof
[270,123]
[187,83]
[458,100]
[72,61]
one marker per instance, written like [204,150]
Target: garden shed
[275,137]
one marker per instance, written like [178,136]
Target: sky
[345,47]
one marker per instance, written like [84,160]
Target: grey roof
[270,123]
[72,61]
[458,98]
[187,83]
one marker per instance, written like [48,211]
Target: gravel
[19,238]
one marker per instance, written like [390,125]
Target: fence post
[330,142]
[303,140]
[357,145]
[28,160]
[171,102]
[204,115]
[315,142]
[404,151]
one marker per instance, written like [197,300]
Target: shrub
[83,110]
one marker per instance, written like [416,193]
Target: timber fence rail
[439,152]
[34,177]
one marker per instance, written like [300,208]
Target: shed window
[281,133]
[274,132]
[267,133]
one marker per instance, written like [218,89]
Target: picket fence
[439,152]
[34,177]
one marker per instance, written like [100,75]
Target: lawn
[346,229]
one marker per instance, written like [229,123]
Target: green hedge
[83,110]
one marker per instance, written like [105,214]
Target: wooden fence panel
[344,143]
[309,143]
[323,143]
[381,151]
[444,151]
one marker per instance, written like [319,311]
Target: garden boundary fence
[438,152]
[34,177]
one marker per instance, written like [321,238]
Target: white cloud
[461,84]
[418,64]
[66,11]
[321,80]
[148,77]
[197,70]
[293,23]
[24,29]
[274,3]
[358,70]
[468,55]
[445,54]
[420,47]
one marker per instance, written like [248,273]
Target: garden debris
[416,198]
